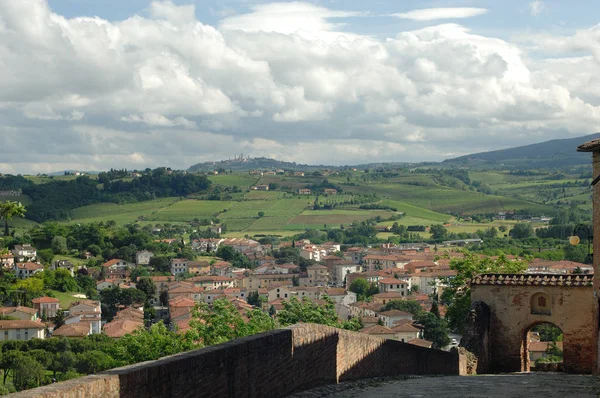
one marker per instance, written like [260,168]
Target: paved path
[527,385]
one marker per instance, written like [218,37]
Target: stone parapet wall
[272,364]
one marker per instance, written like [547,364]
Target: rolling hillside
[549,154]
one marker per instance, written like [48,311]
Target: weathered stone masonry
[519,302]
[272,364]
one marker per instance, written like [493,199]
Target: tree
[8,210]
[160,263]
[164,298]
[93,361]
[522,231]
[435,309]
[255,299]
[296,311]
[147,286]
[457,294]
[261,214]
[150,344]
[59,319]
[63,362]
[27,373]
[436,329]
[438,232]
[224,322]
[59,245]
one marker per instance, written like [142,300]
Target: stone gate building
[518,302]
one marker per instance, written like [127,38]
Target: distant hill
[559,153]
[246,164]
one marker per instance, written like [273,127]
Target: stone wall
[272,364]
[476,337]
[511,318]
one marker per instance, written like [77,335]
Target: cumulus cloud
[287,80]
[430,14]
[536,7]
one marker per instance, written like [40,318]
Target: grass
[189,209]
[66,299]
[121,214]
[233,180]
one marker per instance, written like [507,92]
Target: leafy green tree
[435,309]
[224,322]
[360,286]
[59,319]
[62,362]
[522,231]
[59,245]
[8,361]
[45,256]
[305,311]
[93,361]
[27,373]
[457,294]
[160,263]
[147,286]
[435,329]
[149,344]
[255,299]
[438,232]
[8,210]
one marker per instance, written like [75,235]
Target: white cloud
[536,7]
[287,80]
[430,14]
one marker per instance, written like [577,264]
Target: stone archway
[518,302]
[528,357]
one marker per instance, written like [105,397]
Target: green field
[65,298]
[233,180]
[121,214]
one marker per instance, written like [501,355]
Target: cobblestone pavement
[527,385]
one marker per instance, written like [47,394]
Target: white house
[406,332]
[25,270]
[64,264]
[179,266]
[86,311]
[24,252]
[389,318]
[21,330]
[393,285]
[117,263]
[143,257]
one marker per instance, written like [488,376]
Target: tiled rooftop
[534,280]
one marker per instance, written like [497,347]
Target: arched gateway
[519,302]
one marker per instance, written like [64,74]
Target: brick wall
[272,364]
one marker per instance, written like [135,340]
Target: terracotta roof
[316,266]
[30,266]
[182,302]
[121,327]
[335,291]
[404,327]
[130,313]
[376,329]
[77,329]
[45,299]
[395,313]
[534,280]
[389,295]
[542,346]
[8,310]
[112,262]
[19,324]
[392,281]
[421,343]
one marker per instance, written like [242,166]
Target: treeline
[55,200]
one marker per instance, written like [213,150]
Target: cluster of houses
[400,272]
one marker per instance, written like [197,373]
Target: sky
[94,84]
